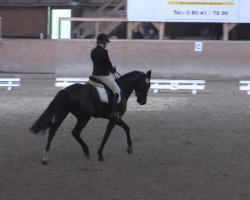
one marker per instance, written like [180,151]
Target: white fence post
[156,90]
[8,83]
[245,86]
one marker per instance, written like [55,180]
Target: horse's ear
[148,74]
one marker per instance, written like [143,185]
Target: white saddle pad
[102,92]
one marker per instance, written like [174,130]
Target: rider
[102,67]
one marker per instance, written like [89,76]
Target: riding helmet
[102,38]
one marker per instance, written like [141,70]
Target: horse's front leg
[109,128]
[126,128]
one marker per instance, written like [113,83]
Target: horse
[82,100]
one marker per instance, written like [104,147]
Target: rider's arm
[108,62]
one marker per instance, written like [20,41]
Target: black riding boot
[114,115]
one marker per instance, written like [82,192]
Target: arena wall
[166,59]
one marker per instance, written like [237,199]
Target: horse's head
[142,87]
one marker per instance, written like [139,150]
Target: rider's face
[105,44]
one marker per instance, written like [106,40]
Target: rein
[119,75]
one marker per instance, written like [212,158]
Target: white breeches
[110,82]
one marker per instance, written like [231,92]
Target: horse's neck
[127,88]
[127,92]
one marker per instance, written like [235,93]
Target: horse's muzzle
[142,102]
[141,98]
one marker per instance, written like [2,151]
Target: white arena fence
[156,84]
[193,85]
[8,83]
[65,82]
[245,86]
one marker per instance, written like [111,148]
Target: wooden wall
[19,22]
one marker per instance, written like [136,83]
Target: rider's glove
[113,70]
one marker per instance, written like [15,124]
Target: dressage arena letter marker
[198,46]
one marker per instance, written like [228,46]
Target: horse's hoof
[44,162]
[130,150]
[101,158]
[87,155]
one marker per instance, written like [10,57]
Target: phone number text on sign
[216,10]
[197,12]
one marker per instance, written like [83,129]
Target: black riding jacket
[101,62]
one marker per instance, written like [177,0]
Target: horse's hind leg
[76,132]
[126,128]
[52,131]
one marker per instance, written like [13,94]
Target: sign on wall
[231,11]
[65,32]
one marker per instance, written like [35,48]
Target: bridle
[137,94]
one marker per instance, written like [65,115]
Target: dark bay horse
[83,102]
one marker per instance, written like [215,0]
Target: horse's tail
[46,119]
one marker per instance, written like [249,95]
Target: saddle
[105,94]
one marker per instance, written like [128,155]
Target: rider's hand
[113,70]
